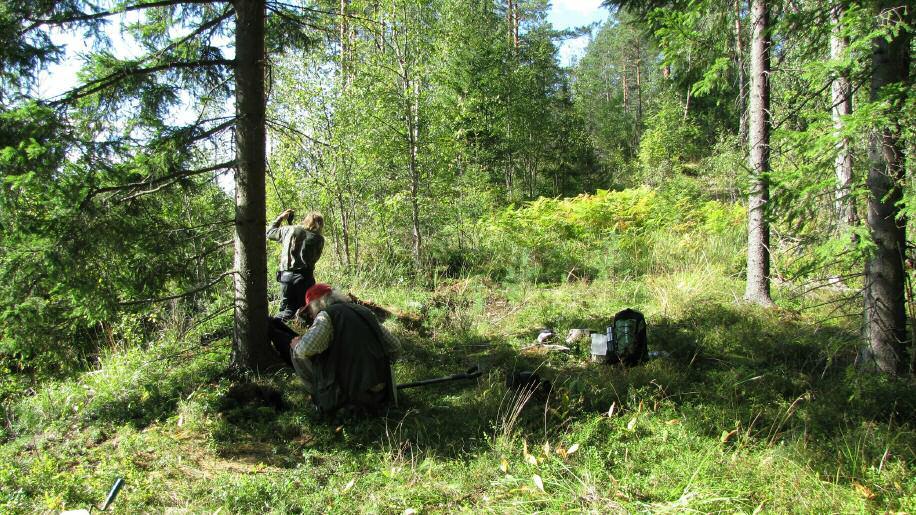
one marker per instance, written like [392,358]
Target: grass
[752,410]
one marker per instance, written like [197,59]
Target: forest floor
[749,410]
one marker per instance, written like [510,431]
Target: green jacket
[301,248]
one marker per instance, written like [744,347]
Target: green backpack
[630,344]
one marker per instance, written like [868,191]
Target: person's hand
[294,342]
[285,213]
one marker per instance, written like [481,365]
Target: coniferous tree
[758,245]
[120,119]
[250,347]
[887,342]
[841,108]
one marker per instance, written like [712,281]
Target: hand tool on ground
[471,373]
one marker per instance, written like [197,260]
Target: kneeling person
[345,357]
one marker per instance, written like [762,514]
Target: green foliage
[605,234]
[607,97]
[671,141]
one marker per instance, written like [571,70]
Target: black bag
[630,345]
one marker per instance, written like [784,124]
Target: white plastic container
[599,347]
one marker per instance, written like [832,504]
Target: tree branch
[191,136]
[296,21]
[205,26]
[271,5]
[150,181]
[192,291]
[285,127]
[176,178]
[97,85]
[219,246]
[53,22]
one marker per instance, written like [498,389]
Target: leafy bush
[669,142]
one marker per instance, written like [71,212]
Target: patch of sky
[567,14]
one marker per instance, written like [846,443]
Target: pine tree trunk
[758,228]
[510,20]
[514,25]
[842,106]
[885,316]
[250,346]
[638,64]
[638,94]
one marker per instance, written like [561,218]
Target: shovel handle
[470,374]
[113,494]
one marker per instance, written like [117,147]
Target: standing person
[345,357]
[301,248]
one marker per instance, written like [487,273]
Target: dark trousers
[292,292]
[280,336]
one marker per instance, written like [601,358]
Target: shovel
[471,373]
[112,494]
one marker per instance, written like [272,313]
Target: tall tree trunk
[607,86]
[842,106]
[687,104]
[510,19]
[758,227]
[344,47]
[885,316]
[331,214]
[344,227]
[638,64]
[250,347]
[739,64]
[515,23]
[413,126]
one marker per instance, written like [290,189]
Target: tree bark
[758,228]
[413,117]
[638,64]
[513,19]
[885,316]
[842,106]
[250,346]
[510,23]
[739,64]
[344,47]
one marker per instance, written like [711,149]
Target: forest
[738,171]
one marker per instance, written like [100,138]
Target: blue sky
[575,13]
